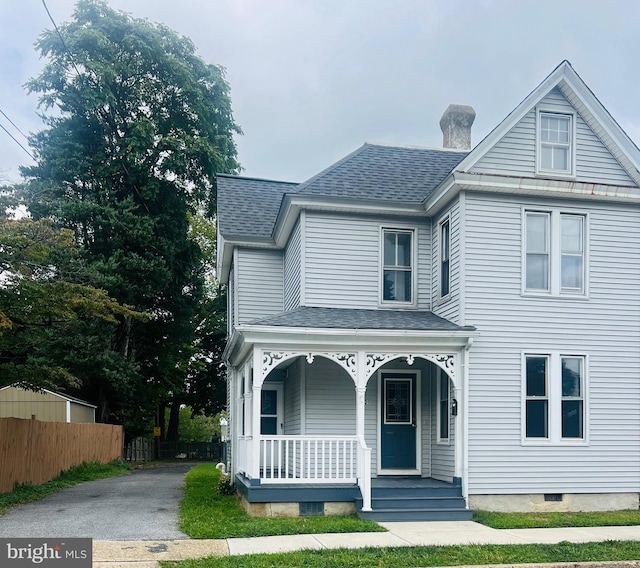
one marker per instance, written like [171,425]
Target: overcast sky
[311,80]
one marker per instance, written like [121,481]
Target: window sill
[554,443]
[397,306]
[549,295]
[551,174]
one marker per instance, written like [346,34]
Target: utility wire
[61,38]
[14,124]
[16,141]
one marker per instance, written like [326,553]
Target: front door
[398,421]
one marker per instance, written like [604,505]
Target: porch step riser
[402,492]
[409,515]
[417,503]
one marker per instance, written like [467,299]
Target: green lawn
[73,476]
[427,556]
[206,514]
[553,520]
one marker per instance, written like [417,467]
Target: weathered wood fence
[139,450]
[34,452]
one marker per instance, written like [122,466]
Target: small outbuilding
[45,405]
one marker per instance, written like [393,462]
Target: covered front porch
[329,420]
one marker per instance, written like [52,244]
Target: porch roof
[340,318]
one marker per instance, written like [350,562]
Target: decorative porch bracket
[446,361]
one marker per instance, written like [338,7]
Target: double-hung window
[554,398]
[445,248]
[443,407]
[554,252]
[555,143]
[397,266]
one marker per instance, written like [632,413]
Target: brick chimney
[456,127]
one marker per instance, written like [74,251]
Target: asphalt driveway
[142,505]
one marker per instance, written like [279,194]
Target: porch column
[364,453]
[258,379]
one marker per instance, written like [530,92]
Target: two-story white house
[415,332]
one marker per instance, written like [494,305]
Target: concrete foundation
[570,502]
[293,509]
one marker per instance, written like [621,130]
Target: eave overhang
[541,187]
[245,337]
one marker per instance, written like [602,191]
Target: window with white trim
[443,407]
[554,398]
[397,266]
[555,143]
[554,252]
[445,248]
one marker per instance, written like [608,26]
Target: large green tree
[42,305]
[141,125]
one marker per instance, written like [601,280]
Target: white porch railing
[309,459]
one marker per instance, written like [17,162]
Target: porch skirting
[284,500]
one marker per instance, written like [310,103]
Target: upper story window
[445,247]
[554,398]
[555,143]
[397,265]
[554,252]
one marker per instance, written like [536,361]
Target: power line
[16,141]
[14,124]
[60,36]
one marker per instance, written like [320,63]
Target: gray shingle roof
[385,172]
[337,318]
[248,207]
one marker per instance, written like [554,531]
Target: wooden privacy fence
[34,452]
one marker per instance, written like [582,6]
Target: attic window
[555,143]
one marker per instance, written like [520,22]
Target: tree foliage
[127,162]
[41,302]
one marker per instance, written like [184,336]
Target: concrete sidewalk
[146,554]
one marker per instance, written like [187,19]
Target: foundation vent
[312,509]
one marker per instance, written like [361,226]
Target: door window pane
[397,401]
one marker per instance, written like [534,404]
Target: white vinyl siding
[292,270]
[260,283]
[330,400]
[442,452]
[606,328]
[342,260]
[292,400]
[515,154]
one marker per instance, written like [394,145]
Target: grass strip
[427,556]
[79,474]
[556,520]
[206,514]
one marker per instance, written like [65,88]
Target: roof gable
[565,89]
